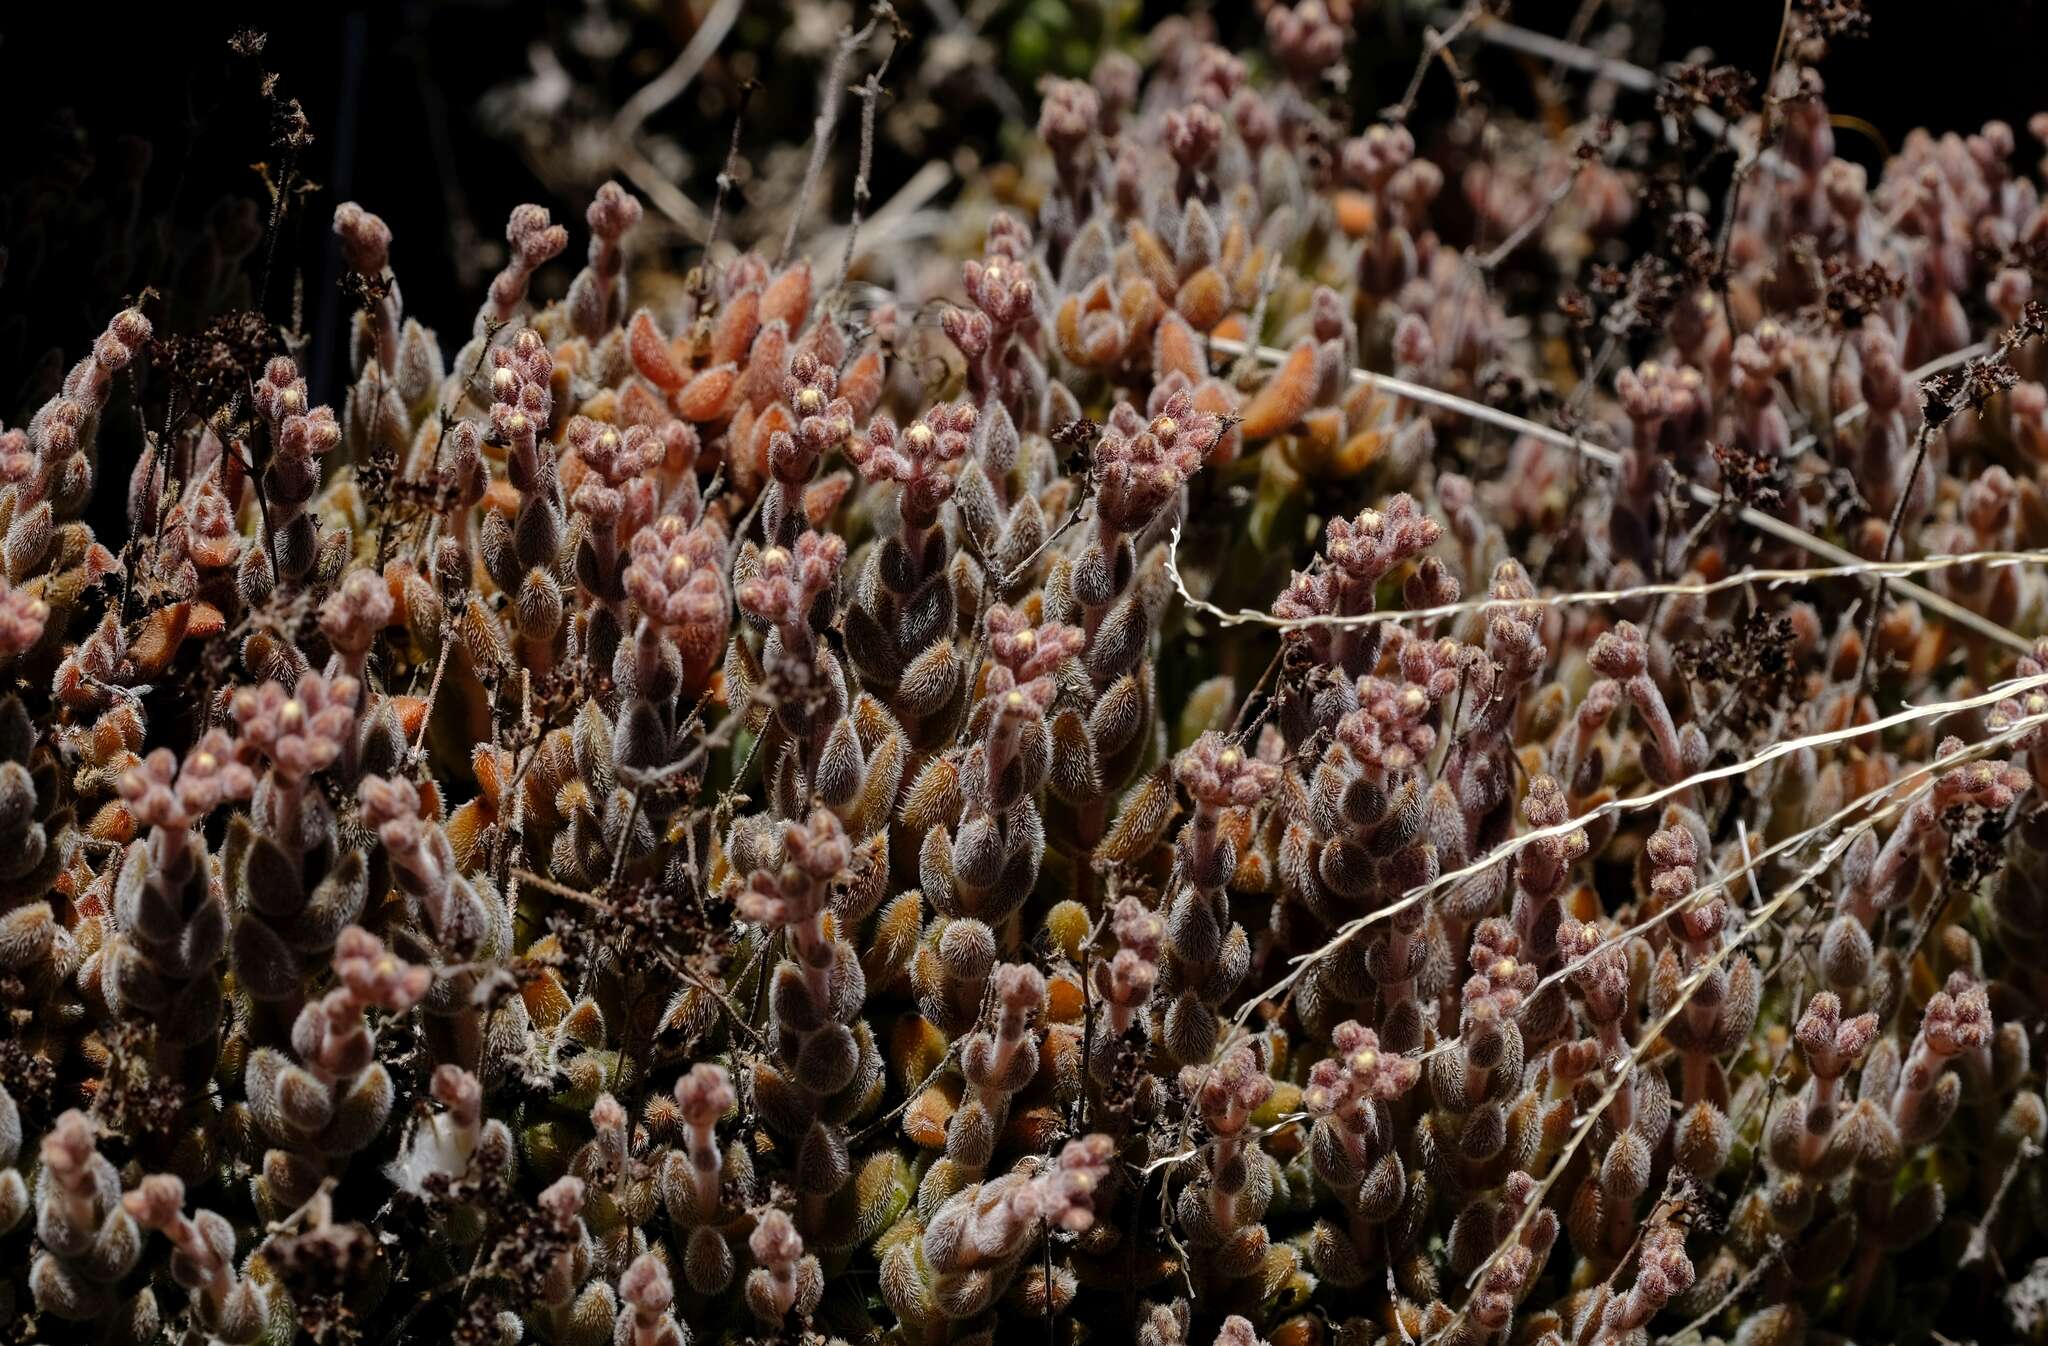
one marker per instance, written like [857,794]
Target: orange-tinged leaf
[1138,304]
[1141,819]
[1103,341]
[112,823]
[1216,396]
[1320,428]
[766,364]
[153,650]
[1300,1330]
[1033,1129]
[822,496]
[651,354]
[1203,298]
[1354,213]
[641,405]
[205,621]
[755,465]
[1151,257]
[465,832]
[732,336]
[412,713]
[788,298]
[1066,327]
[119,730]
[1063,1000]
[925,1120]
[916,1046]
[1280,404]
[213,552]
[502,496]
[547,1001]
[708,397]
[488,765]
[1358,453]
[861,384]
[1174,350]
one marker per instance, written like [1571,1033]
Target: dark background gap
[392,93]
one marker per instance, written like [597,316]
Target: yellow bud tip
[1504,969]
[1228,757]
[1015,700]
[1165,427]
[206,761]
[774,556]
[1027,638]
[291,712]
[1365,1060]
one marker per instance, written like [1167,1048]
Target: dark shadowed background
[132,131]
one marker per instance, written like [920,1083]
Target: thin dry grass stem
[1436,46]
[683,970]
[1632,77]
[902,208]
[1735,1292]
[1782,748]
[1747,871]
[1979,1246]
[671,83]
[1769,577]
[1278,1125]
[1610,460]
[851,40]
[1303,962]
[657,94]
[869,92]
[1922,777]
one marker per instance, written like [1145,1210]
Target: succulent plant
[745,805]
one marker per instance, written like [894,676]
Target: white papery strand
[1748,868]
[1514,845]
[1769,578]
[1610,459]
[1582,1125]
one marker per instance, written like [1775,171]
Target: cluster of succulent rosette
[697,816]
